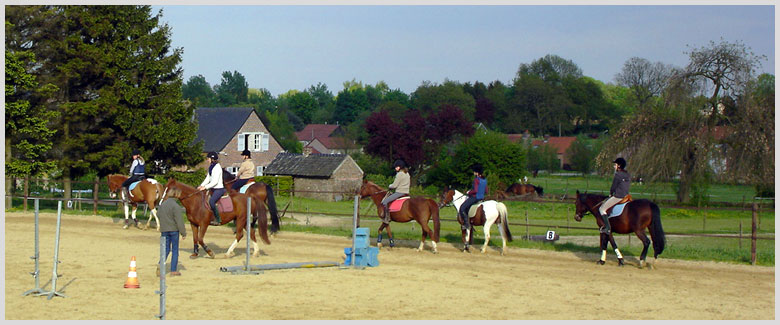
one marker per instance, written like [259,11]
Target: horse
[486,214]
[415,208]
[260,192]
[148,190]
[523,189]
[637,215]
[199,215]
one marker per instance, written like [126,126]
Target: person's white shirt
[215,179]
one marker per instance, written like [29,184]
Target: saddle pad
[396,205]
[225,204]
[132,186]
[246,186]
[617,210]
[473,208]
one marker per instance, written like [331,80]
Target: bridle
[452,202]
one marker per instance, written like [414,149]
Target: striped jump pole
[161,292]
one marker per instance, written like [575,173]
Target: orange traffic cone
[132,276]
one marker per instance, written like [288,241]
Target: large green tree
[198,91]
[430,97]
[232,89]
[119,86]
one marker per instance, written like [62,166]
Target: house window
[258,141]
[260,170]
[232,170]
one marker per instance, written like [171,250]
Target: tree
[350,102]
[199,92]
[536,105]
[303,105]
[721,69]
[232,90]
[119,87]
[551,68]
[500,157]
[543,157]
[429,97]
[281,129]
[645,79]
[325,101]
[581,155]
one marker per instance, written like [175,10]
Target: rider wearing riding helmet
[137,173]
[477,193]
[214,181]
[245,172]
[620,186]
[401,186]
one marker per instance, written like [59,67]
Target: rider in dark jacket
[621,183]
[137,173]
[476,194]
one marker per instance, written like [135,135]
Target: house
[230,130]
[519,137]
[560,144]
[325,138]
[329,177]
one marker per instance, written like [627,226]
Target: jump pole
[246,269]
[35,274]
[161,292]
[53,291]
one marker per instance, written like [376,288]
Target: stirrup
[604,230]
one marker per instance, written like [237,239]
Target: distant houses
[230,130]
[325,138]
[331,177]
[560,144]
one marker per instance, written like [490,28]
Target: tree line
[85,85]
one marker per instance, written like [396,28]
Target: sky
[281,48]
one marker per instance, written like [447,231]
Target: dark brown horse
[260,192]
[199,215]
[148,191]
[523,189]
[416,208]
[636,216]
[486,214]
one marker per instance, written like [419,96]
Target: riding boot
[126,197]
[466,222]
[386,217]
[606,229]
[217,220]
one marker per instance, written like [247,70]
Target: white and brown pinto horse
[147,191]
[482,214]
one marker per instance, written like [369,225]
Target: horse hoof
[600,262]
[620,262]
[125,227]
[211,254]
[193,256]
[379,245]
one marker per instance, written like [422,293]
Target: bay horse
[148,190]
[416,208]
[487,213]
[199,215]
[260,192]
[637,216]
[523,189]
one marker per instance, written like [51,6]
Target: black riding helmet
[399,163]
[621,162]
[213,155]
[136,152]
[246,153]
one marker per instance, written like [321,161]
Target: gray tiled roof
[218,125]
[295,164]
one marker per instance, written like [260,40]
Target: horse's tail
[504,215]
[657,230]
[272,208]
[436,223]
[262,222]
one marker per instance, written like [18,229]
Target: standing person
[400,184]
[171,225]
[477,193]
[245,172]
[137,173]
[214,181]
[621,183]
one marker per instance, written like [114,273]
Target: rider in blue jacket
[477,193]
[137,173]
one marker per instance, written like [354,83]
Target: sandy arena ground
[95,254]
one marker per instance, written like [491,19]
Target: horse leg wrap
[392,243]
[603,255]
[378,239]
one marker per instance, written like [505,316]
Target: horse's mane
[184,185]
[585,196]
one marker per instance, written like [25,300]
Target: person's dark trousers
[131,180]
[464,211]
[238,183]
[213,203]
[172,245]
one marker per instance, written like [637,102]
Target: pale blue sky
[293,47]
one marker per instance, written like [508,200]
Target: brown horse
[149,191]
[636,216]
[485,214]
[417,208]
[199,215]
[523,189]
[260,192]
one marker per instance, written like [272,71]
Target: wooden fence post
[753,237]
[95,196]
[26,190]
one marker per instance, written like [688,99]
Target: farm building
[336,174]
[325,138]
[230,130]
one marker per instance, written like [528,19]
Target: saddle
[224,204]
[617,209]
[246,186]
[396,204]
[474,207]
[134,184]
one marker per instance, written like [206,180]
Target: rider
[620,186]
[137,172]
[401,186]
[245,172]
[214,181]
[476,194]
